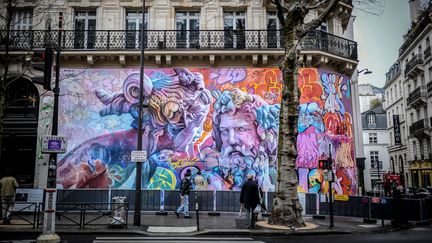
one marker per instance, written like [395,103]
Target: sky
[379,39]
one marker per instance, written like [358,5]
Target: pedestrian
[184,195]
[200,183]
[398,210]
[8,186]
[249,199]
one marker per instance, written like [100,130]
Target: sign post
[54,145]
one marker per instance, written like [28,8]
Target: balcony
[429,88]
[417,97]
[420,128]
[414,66]
[427,53]
[153,39]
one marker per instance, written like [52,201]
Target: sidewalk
[225,224]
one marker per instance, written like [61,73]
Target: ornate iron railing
[419,125]
[153,39]
[173,39]
[427,52]
[320,40]
[415,60]
[416,94]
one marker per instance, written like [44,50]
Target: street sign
[383,201]
[139,156]
[341,197]
[396,130]
[54,144]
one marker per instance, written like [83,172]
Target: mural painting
[325,130]
[222,122]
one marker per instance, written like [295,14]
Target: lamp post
[48,233]
[137,208]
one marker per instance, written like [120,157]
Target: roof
[380,118]
[369,89]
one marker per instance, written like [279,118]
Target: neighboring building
[408,93]
[369,93]
[376,141]
[194,51]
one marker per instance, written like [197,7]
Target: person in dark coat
[184,195]
[249,198]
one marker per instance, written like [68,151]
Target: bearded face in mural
[245,132]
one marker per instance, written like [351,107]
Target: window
[22,20]
[187,22]
[371,119]
[273,27]
[373,138]
[375,160]
[133,27]
[85,29]
[234,26]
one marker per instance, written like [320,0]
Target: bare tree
[10,38]
[291,14]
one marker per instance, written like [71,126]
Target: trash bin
[118,213]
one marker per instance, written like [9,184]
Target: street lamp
[365,70]
[137,208]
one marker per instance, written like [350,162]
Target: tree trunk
[286,205]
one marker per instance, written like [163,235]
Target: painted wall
[325,126]
[222,122]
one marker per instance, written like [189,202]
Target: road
[419,234]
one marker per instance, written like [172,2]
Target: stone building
[217,45]
[376,141]
[408,90]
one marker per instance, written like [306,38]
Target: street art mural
[223,122]
[325,130]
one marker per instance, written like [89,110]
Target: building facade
[408,88]
[376,141]
[203,60]
[368,95]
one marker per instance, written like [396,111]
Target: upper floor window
[85,28]
[371,119]
[187,22]
[373,138]
[374,157]
[273,27]
[234,20]
[134,20]
[22,20]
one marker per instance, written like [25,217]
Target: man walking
[249,198]
[184,195]
[8,186]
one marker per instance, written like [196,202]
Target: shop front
[421,173]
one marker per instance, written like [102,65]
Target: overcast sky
[379,39]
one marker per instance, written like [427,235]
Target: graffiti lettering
[225,75]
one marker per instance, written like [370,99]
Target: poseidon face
[240,140]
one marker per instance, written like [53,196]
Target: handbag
[257,209]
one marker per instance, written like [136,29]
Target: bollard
[197,210]
[214,212]
[162,204]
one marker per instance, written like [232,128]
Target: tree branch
[317,5]
[280,10]
[317,22]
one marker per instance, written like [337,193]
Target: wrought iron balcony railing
[418,93]
[415,60]
[323,41]
[153,39]
[173,39]
[419,125]
[427,52]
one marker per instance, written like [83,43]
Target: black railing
[419,125]
[427,52]
[173,39]
[429,87]
[418,93]
[153,39]
[323,41]
[415,60]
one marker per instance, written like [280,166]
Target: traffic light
[42,61]
[325,164]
